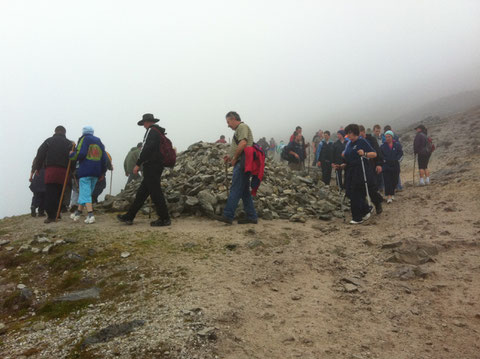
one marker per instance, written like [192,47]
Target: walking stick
[414,163]
[366,184]
[150,207]
[64,185]
[111,179]
[226,179]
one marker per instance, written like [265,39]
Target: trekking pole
[226,179]
[150,207]
[365,180]
[64,185]
[414,163]
[111,180]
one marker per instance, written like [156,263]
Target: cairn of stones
[198,185]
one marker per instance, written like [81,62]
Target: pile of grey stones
[198,185]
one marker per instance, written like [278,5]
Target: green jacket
[131,160]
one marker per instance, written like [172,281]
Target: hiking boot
[90,220]
[422,182]
[224,219]
[247,221]
[33,211]
[75,217]
[41,213]
[49,220]
[389,201]
[356,222]
[378,208]
[161,223]
[123,218]
[427,180]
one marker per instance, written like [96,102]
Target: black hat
[148,117]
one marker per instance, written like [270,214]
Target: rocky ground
[404,285]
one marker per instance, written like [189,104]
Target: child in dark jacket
[392,153]
[92,165]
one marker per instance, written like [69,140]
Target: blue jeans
[240,189]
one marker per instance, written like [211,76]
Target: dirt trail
[404,285]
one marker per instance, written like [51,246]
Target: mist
[279,64]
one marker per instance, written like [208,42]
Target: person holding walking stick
[92,166]
[359,176]
[53,156]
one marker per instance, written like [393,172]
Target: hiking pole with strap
[226,179]
[64,185]
[414,163]
[365,180]
[111,180]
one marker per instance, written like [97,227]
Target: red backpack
[166,150]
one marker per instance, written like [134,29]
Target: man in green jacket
[131,161]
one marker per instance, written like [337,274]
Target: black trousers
[390,179]
[53,192]
[339,177]
[150,186]
[38,201]
[326,172]
[358,201]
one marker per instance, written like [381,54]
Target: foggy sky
[319,64]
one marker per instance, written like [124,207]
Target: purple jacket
[420,144]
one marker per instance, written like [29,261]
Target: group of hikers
[64,172]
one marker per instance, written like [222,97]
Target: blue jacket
[391,156]
[91,157]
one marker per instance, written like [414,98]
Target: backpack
[169,157]
[430,145]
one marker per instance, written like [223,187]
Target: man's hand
[378,169]
[227,159]
[126,174]
[135,170]
[234,161]
[319,164]
[361,153]
[102,177]
[334,166]
[31,177]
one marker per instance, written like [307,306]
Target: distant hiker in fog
[92,165]
[102,182]
[263,144]
[325,158]
[130,162]
[392,152]
[37,186]
[272,148]
[338,148]
[354,154]
[296,153]
[240,187]
[221,139]
[317,138]
[422,147]
[53,156]
[153,165]
[377,135]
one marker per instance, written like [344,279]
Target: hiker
[272,148]
[221,139]
[53,156]
[325,158]
[240,187]
[397,139]
[91,167]
[279,150]
[392,152]
[102,182]
[317,138]
[298,130]
[129,163]
[377,162]
[153,165]
[377,135]
[296,153]
[37,186]
[422,149]
[263,144]
[337,159]
[355,151]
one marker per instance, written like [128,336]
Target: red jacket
[255,165]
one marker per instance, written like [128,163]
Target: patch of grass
[78,352]
[15,301]
[71,280]
[10,260]
[4,231]
[31,351]
[59,310]
[61,263]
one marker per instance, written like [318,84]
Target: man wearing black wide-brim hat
[151,160]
